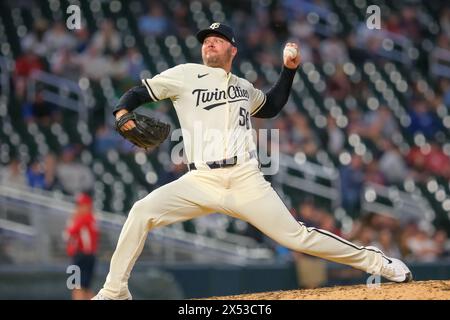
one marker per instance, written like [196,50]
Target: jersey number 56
[244,119]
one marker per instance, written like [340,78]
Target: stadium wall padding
[188,281]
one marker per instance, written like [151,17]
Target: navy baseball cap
[218,28]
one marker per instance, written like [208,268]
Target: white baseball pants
[239,191]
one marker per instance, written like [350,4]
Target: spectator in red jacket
[26,64]
[82,241]
[437,162]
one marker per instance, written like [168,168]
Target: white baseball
[290,52]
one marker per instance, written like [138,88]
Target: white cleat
[100,296]
[395,270]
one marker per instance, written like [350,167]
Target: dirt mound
[417,290]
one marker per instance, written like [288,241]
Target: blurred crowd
[262,27]
[65,173]
[76,54]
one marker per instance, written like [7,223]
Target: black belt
[224,163]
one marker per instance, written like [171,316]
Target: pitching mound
[416,290]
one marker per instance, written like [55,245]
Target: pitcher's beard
[213,62]
[217,61]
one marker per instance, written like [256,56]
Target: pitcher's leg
[270,215]
[165,205]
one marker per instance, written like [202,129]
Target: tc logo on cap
[214,25]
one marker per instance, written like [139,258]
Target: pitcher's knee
[137,207]
[142,209]
[296,241]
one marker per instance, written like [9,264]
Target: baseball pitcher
[224,174]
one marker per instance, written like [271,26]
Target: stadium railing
[42,215]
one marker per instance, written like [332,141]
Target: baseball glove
[148,133]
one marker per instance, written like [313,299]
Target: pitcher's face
[217,51]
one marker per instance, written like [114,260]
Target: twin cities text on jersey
[233,94]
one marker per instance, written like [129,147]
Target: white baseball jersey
[213,108]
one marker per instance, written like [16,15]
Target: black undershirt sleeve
[278,95]
[133,98]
